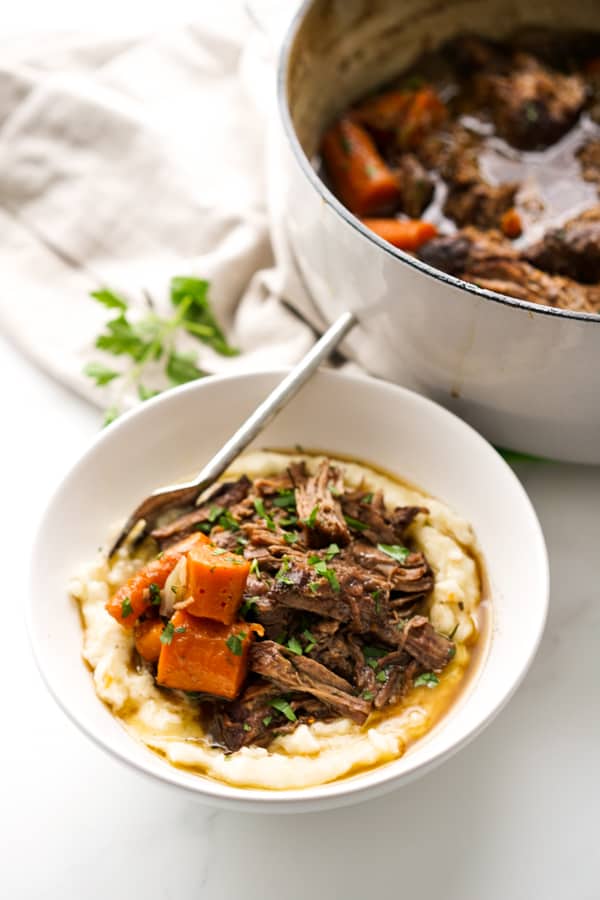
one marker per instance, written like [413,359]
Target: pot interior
[343,49]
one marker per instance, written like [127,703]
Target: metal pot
[527,376]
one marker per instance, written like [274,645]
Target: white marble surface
[514,815]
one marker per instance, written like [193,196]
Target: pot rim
[350,219]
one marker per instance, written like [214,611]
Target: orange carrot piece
[425,112]
[406,234]
[205,656]
[133,598]
[511,224]
[362,180]
[383,112]
[215,582]
[147,638]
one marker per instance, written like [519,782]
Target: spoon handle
[276,400]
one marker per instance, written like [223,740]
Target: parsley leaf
[126,607]
[426,679]
[259,506]
[282,706]
[145,393]
[181,368]
[110,415]
[190,296]
[355,523]
[101,374]
[235,643]
[167,634]
[322,569]
[400,554]
[281,576]
[254,568]
[109,299]
[332,551]
[267,721]
[291,537]
[295,646]
[285,500]
[368,695]
[312,518]
[154,594]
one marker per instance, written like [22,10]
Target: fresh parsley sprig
[151,339]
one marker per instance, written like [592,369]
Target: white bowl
[397,430]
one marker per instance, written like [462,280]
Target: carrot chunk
[147,639]
[135,596]
[407,234]
[384,112]
[204,656]
[424,113]
[363,181]
[215,581]
[510,224]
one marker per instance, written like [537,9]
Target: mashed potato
[313,754]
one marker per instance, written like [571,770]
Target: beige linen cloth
[126,162]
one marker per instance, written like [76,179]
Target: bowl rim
[342,791]
[350,219]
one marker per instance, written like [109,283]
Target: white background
[515,815]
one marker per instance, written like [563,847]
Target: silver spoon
[189,491]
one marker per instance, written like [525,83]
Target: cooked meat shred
[573,250]
[333,571]
[533,106]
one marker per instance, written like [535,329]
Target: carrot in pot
[363,181]
[135,596]
[147,638]
[510,224]
[201,655]
[425,112]
[406,234]
[384,112]
[215,581]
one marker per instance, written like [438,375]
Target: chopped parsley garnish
[426,679]
[282,706]
[254,569]
[291,537]
[333,490]
[154,594]
[295,646]
[240,543]
[382,676]
[219,551]
[398,553]
[312,518]
[246,727]
[167,634]
[368,695]
[281,576]
[355,523]
[332,551]
[259,506]
[311,640]
[322,569]
[247,607]
[235,643]
[313,558]
[180,629]
[267,721]
[228,522]
[204,527]
[126,607]
[373,652]
[290,520]
[313,587]
[285,500]
[376,595]
[215,512]
[368,498]
[401,623]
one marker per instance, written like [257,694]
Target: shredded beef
[291,672]
[319,509]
